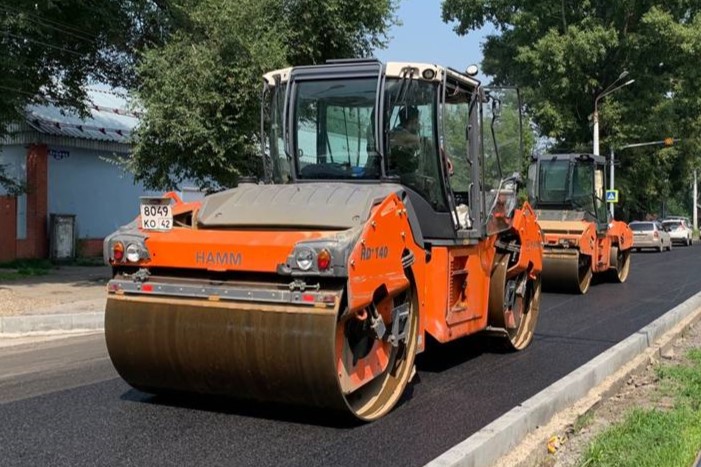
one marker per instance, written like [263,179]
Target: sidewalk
[68,298]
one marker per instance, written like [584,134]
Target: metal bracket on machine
[400,319]
[399,330]
[512,246]
[300,285]
[142,275]
[376,324]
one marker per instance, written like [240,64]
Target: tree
[564,54]
[201,90]
[50,50]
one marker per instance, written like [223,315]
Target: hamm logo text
[219,258]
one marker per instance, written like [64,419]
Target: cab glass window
[411,146]
[333,129]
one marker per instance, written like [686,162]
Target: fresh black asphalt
[84,415]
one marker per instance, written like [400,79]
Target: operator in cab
[405,142]
[406,133]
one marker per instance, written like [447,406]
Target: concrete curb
[498,438]
[37,324]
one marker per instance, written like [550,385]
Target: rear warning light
[118,251]
[307,297]
[323,260]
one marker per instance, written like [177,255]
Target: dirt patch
[563,442]
[60,288]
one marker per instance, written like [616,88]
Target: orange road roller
[375,225]
[567,191]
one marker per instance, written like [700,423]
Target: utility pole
[696,195]
[612,184]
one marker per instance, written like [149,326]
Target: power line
[65,27]
[63,31]
[46,44]
[18,91]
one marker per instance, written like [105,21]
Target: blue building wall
[100,194]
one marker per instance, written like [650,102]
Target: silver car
[679,230]
[650,234]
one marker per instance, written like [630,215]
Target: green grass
[654,437]
[22,268]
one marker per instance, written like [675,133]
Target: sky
[424,37]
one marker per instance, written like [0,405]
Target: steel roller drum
[565,271]
[253,351]
[262,352]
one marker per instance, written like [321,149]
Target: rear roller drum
[514,303]
[620,264]
[566,271]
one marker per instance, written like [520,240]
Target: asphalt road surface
[61,403]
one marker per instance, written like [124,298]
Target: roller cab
[567,191]
[380,221]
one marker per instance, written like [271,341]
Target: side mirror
[513,181]
[515,177]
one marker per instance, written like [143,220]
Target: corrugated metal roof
[23,133]
[110,120]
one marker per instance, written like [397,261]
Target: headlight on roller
[126,249]
[304,259]
[133,253]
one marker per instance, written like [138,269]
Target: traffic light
[668,142]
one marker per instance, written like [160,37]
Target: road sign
[612,196]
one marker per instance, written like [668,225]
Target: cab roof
[392,70]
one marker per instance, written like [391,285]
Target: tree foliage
[50,50]
[563,54]
[201,90]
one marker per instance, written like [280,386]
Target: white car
[679,230]
[650,234]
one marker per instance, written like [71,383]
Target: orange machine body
[369,234]
[452,283]
[583,236]
[567,191]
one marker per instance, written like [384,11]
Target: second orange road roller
[567,191]
[374,228]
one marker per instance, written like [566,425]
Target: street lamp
[665,142]
[603,94]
